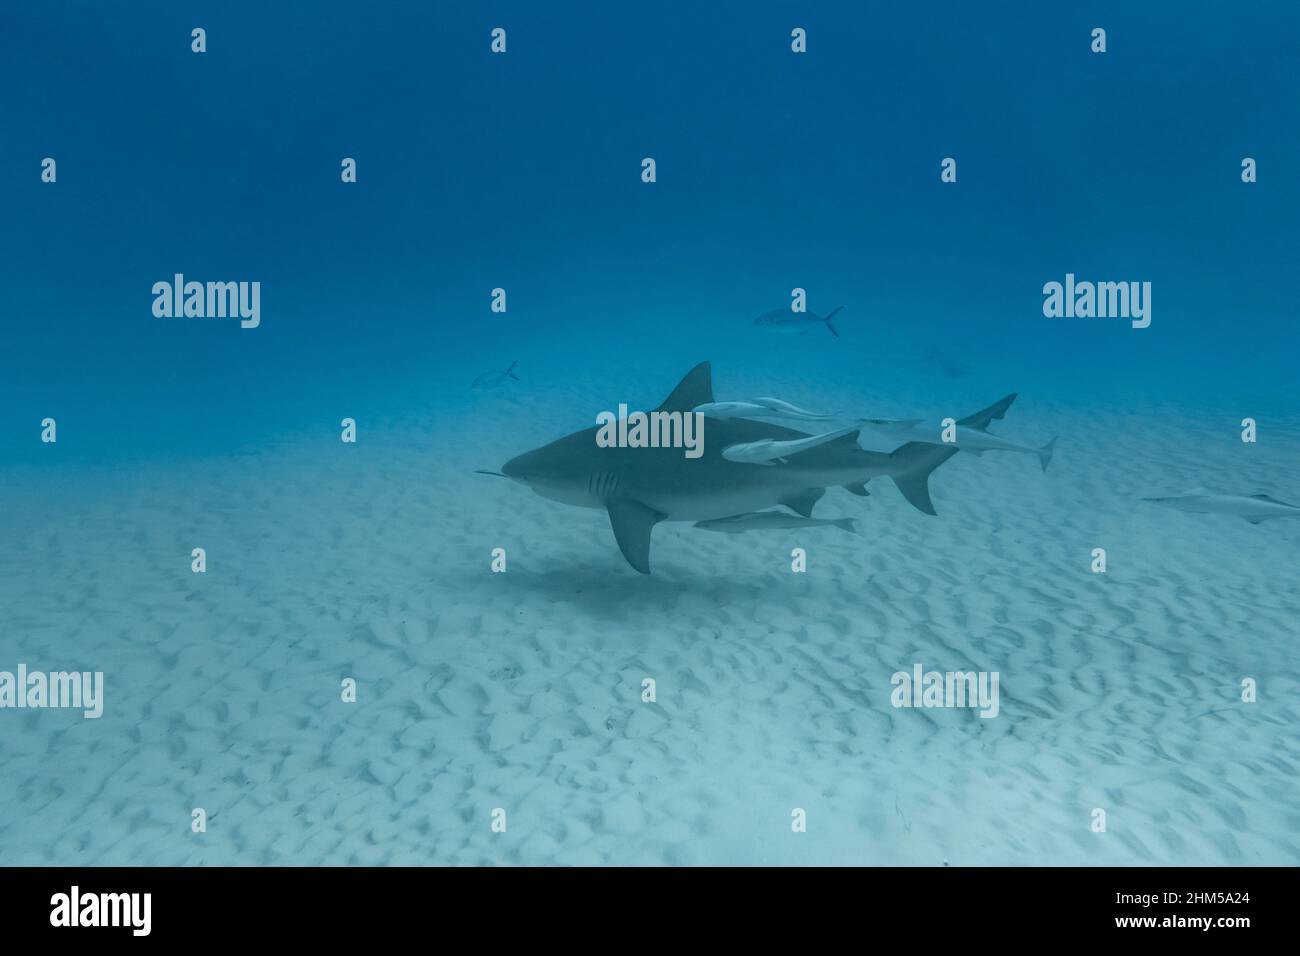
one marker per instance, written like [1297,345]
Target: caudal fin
[1045,454]
[915,462]
[830,315]
[511,370]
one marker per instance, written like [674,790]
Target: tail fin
[1045,453]
[848,524]
[914,462]
[511,370]
[830,315]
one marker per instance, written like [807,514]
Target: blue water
[523,171]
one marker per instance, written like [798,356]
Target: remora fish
[760,408]
[640,487]
[765,520]
[768,451]
[1254,508]
[974,440]
[786,322]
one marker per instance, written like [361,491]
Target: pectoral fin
[915,487]
[632,523]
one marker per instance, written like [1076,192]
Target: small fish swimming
[974,440]
[1254,508]
[760,408]
[785,322]
[495,377]
[772,520]
[768,451]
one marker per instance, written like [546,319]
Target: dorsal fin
[695,389]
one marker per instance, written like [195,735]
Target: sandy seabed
[522,690]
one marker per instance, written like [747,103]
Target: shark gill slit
[602,484]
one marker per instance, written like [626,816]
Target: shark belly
[726,488]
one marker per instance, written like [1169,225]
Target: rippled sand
[522,690]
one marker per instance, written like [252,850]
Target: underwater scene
[726,434]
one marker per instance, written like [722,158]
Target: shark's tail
[830,315]
[914,462]
[511,370]
[1045,454]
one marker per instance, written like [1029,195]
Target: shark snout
[525,469]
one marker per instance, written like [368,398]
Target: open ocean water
[347,675]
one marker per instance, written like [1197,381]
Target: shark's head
[526,468]
[576,471]
[551,473]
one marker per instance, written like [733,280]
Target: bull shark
[1254,508]
[640,487]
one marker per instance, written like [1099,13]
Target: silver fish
[769,451]
[495,377]
[785,322]
[974,440]
[759,408]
